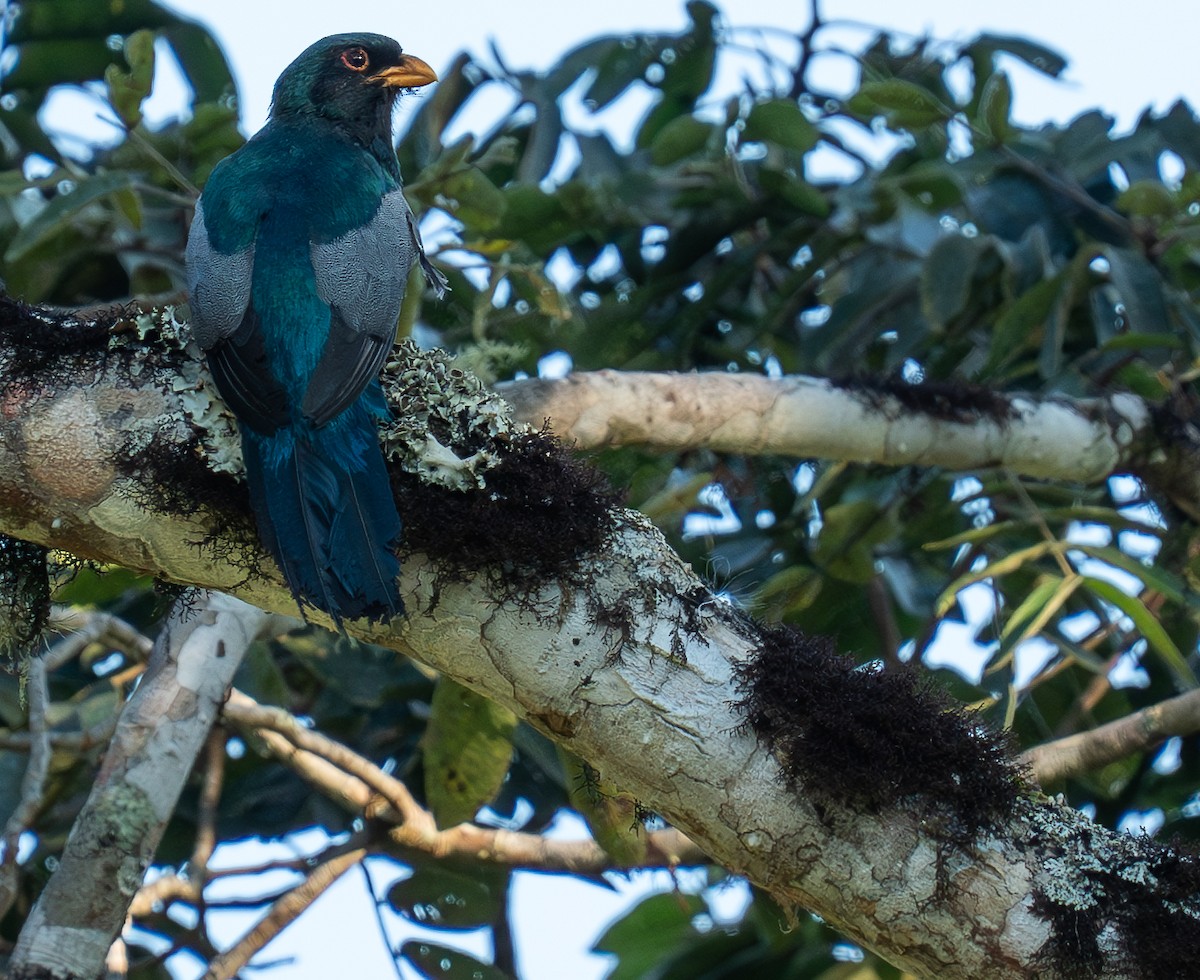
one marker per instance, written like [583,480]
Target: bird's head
[352,80]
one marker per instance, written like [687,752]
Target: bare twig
[282,914]
[33,784]
[360,786]
[1086,751]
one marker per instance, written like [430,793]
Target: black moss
[540,512]
[1144,892]
[172,477]
[868,738]
[24,595]
[952,401]
[41,342]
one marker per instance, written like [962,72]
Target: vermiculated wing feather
[218,285]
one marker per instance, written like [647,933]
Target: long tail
[325,512]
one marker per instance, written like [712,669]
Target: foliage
[1057,260]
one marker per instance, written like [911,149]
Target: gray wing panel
[362,274]
[218,285]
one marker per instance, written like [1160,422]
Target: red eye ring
[356,59]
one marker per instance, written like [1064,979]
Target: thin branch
[33,783]
[283,913]
[338,772]
[377,904]
[1087,751]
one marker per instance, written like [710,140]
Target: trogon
[297,262]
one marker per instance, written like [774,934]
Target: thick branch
[623,657]
[82,908]
[1080,441]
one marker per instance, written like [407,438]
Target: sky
[1119,61]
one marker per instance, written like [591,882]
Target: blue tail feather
[325,511]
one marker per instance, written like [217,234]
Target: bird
[297,260]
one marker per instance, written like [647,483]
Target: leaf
[467,750]
[1152,576]
[127,90]
[444,963]
[799,193]
[473,199]
[1140,286]
[845,547]
[682,137]
[1148,199]
[1044,59]
[1018,325]
[1145,622]
[995,107]
[782,122]
[947,275]
[442,898]
[787,592]
[906,106]
[648,933]
[995,569]
[202,60]
[63,207]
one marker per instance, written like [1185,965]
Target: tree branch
[1082,441]
[359,786]
[283,913]
[618,653]
[33,784]
[82,908]
[1087,751]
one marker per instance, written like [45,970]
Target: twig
[1086,751]
[377,903]
[319,760]
[282,914]
[33,783]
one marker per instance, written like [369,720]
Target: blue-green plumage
[297,262]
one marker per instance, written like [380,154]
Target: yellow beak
[411,72]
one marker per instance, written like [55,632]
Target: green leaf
[473,199]
[128,89]
[467,750]
[1154,577]
[613,816]
[440,962]
[683,136]
[63,208]
[995,107]
[1148,199]
[906,106]
[845,547]
[947,275]
[797,192]
[444,898]
[648,933]
[1145,622]
[1141,287]
[782,122]
[1044,59]
[995,569]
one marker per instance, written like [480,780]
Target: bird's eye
[355,59]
